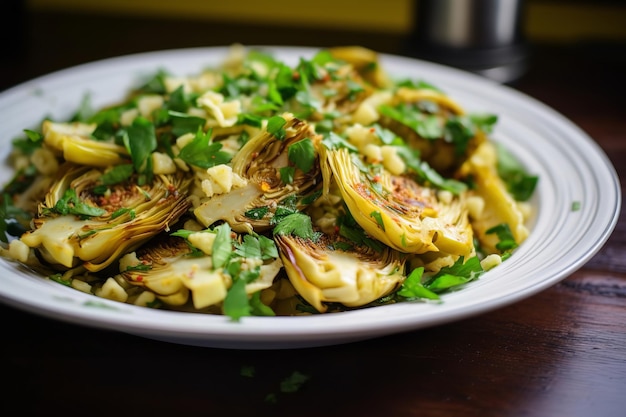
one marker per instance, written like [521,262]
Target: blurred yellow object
[575,20]
[375,16]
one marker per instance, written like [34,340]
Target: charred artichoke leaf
[353,278]
[119,222]
[259,163]
[494,205]
[73,141]
[399,212]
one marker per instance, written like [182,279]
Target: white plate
[571,166]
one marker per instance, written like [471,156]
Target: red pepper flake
[171,190]
[295,75]
[139,278]
[372,130]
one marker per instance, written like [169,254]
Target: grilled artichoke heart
[122,220]
[349,90]
[168,268]
[365,62]
[349,277]
[397,211]
[259,162]
[437,108]
[498,206]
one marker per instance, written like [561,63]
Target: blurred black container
[481,36]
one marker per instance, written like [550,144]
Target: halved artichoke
[497,206]
[106,226]
[365,61]
[348,89]
[259,162]
[397,211]
[430,111]
[168,268]
[353,278]
[163,266]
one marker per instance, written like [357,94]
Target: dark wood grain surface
[561,352]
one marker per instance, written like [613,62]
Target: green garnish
[518,182]
[222,245]
[302,154]
[298,224]
[275,126]
[204,153]
[71,204]
[117,174]
[140,141]
[507,240]
[379,219]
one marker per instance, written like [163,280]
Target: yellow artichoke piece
[352,278]
[167,268]
[366,63]
[413,95]
[439,153]
[259,162]
[53,237]
[498,206]
[172,274]
[397,211]
[73,142]
[140,213]
[349,89]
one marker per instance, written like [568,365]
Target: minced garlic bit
[112,290]
[19,251]
[491,261]
[81,285]
[223,113]
[145,298]
[391,160]
[163,164]
[221,179]
[203,241]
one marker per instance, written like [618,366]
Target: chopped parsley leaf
[204,153]
[302,154]
[297,224]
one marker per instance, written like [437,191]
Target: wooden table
[560,353]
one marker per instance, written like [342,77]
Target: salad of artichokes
[261,188]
